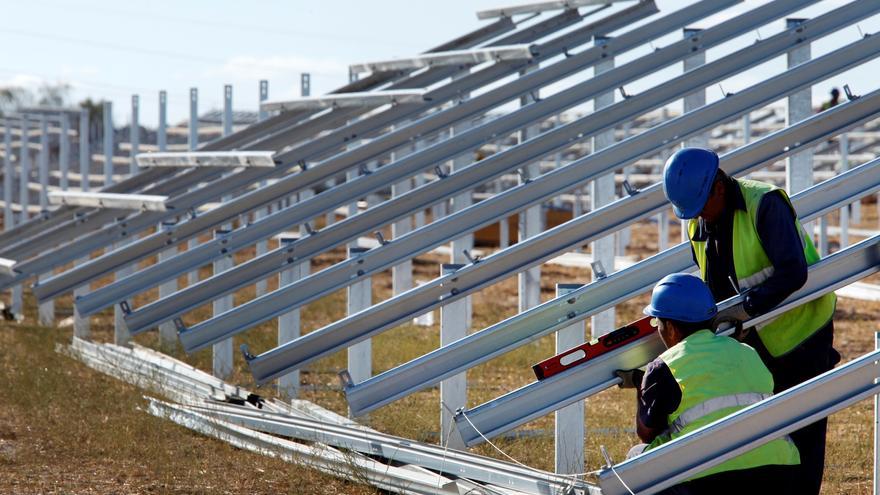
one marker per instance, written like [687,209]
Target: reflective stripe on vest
[715,404]
[786,331]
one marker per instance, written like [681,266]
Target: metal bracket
[473,259]
[364,169]
[309,228]
[345,379]
[380,237]
[441,172]
[178,325]
[125,307]
[523,176]
[192,213]
[623,93]
[629,188]
[245,352]
[302,165]
[849,94]
[598,269]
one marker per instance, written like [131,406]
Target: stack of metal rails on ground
[408,118]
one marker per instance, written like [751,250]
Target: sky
[111,50]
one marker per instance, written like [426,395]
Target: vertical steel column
[531,221]
[81,327]
[121,335]
[601,194]
[227,109]
[262,246]
[64,151]
[167,331]
[453,390]
[747,128]
[8,177]
[696,99]
[692,102]
[569,434]
[108,143]
[289,323]
[222,351]
[193,144]
[360,297]
[498,187]
[43,163]
[85,157]
[461,201]
[799,166]
[45,309]
[25,177]
[135,135]
[401,275]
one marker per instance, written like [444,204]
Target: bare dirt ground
[67,429]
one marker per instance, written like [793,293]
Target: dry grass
[67,429]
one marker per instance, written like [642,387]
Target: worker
[745,238]
[835,99]
[699,379]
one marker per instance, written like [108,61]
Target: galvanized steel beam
[305,178]
[316,344]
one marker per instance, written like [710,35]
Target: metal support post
[8,177]
[222,351]
[844,212]
[531,220]
[108,143]
[696,99]
[453,390]
[401,274]
[799,167]
[823,236]
[167,330]
[305,84]
[569,434]
[463,244]
[289,323]
[747,128]
[85,156]
[227,110]
[360,297]
[45,309]
[81,324]
[262,246]
[25,177]
[135,134]
[193,144]
[64,152]
[43,162]
[601,194]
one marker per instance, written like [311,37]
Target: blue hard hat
[682,297]
[687,180]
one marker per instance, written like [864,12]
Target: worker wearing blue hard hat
[746,238]
[699,379]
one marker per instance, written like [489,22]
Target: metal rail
[539,398]
[284,137]
[500,206]
[304,178]
[240,138]
[528,326]
[450,185]
[341,195]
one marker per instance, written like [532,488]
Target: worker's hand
[735,314]
[631,378]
